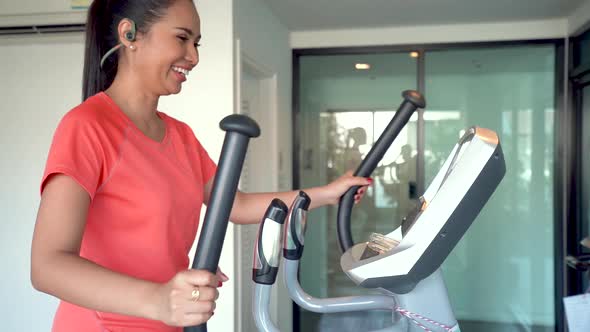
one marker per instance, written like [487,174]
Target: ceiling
[302,15]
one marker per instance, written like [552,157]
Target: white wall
[265,40]
[41,79]
[40,82]
[412,35]
[264,43]
[579,19]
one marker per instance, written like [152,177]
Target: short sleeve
[76,152]
[208,166]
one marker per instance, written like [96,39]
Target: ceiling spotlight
[362,66]
[414,54]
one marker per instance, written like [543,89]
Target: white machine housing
[429,233]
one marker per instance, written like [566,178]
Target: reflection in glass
[500,276]
[342,112]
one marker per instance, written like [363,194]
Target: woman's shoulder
[95,112]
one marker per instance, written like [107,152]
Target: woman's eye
[197,45]
[183,38]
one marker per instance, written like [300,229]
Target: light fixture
[362,66]
[414,54]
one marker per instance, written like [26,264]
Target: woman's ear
[127,32]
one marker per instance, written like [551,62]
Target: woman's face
[168,51]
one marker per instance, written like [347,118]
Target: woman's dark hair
[103,20]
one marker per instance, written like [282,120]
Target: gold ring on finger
[195,294]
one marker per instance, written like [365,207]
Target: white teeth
[181,70]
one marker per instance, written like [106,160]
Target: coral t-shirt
[146,198]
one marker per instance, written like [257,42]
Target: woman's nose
[193,55]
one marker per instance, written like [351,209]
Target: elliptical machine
[403,265]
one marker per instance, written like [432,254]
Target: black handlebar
[239,130]
[412,101]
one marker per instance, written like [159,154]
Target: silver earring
[132,47]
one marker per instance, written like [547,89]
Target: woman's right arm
[58,269]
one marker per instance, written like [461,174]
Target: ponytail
[102,35]
[98,41]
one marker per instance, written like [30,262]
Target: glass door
[345,102]
[500,276]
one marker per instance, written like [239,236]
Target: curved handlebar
[412,101]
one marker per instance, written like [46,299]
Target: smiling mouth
[183,71]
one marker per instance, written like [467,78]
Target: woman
[124,183]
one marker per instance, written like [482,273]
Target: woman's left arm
[248,208]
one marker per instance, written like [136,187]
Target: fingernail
[370,180]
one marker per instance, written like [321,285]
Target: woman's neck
[139,106]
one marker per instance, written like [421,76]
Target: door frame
[266,115]
[575,229]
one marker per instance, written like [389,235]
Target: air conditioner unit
[47,16]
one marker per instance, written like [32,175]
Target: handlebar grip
[267,253]
[295,227]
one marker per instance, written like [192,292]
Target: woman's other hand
[188,299]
